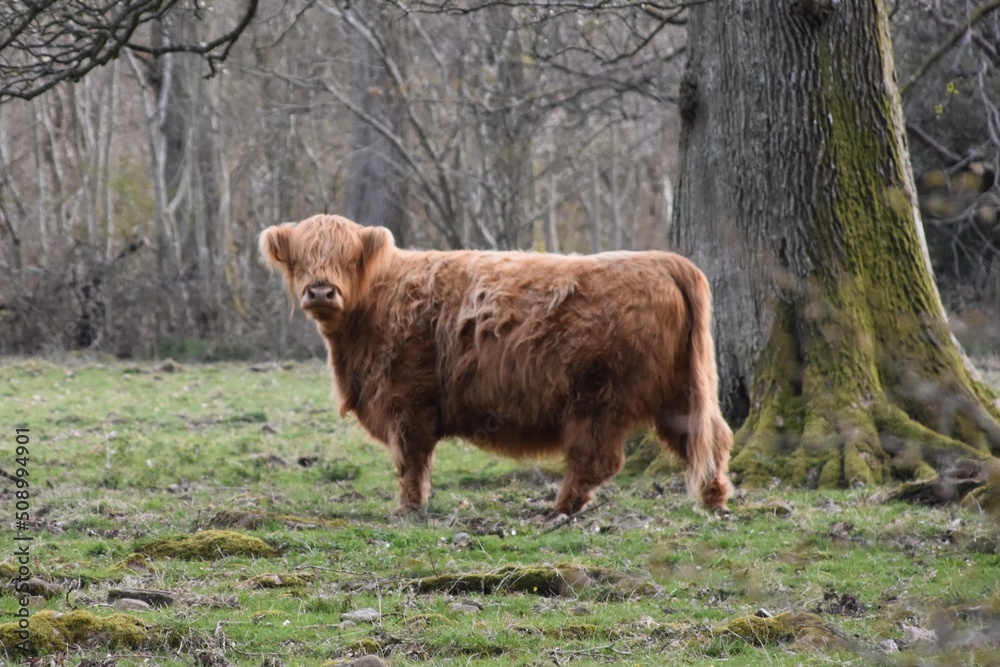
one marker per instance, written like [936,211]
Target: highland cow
[520,353]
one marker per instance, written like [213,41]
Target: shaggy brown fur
[519,353]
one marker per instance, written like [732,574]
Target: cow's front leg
[594,454]
[413,454]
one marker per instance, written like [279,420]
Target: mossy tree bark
[796,197]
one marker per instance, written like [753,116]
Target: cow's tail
[709,437]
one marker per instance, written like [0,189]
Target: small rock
[841,531]
[366,615]
[265,367]
[580,610]
[130,604]
[364,661]
[36,601]
[828,505]
[465,608]
[212,657]
[889,646]
[917,635]
[270,459]
[151,597]
[167,366]
[460,539]
[35,586]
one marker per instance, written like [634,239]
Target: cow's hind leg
[720,489]
[674,431]
[594,454]
[413,455]
[672,428]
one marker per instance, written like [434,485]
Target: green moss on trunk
[835,419]
[861,381]
[853,433]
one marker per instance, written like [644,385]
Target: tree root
[852,446]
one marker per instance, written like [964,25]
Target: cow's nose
[318,296]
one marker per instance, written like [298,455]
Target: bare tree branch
[932,143]
[552,7]
[955,35]
[45,42]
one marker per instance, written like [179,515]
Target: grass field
[122,456]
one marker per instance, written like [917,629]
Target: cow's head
[327,261]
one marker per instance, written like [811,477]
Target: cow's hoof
[570,508]
[405,510]
[554,519]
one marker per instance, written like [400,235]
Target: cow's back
[526,341]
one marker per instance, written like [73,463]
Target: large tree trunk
[797,199]
[375,188]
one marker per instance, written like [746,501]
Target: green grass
[121,456]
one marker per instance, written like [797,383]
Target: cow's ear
[274,245]
[376,243]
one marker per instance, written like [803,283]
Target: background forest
[130,200]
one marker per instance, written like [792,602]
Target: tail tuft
[709,437]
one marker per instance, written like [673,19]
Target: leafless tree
[485,98]
[948,56]
[376,189]
[44,42]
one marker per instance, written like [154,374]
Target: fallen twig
[569,518]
